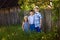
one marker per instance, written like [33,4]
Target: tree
[29,4]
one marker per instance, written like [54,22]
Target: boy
[31,20]
[37,19]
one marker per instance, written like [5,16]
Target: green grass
[14,32]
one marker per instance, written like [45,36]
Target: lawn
[14,32]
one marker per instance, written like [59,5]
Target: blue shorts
[32,27]
[37,29]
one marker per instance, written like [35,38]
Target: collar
[36,12]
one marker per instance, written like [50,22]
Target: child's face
[36,10]
[31,13]
[25,19]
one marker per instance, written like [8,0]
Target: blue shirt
[37,17]
[31,19]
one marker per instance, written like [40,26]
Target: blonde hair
[26,18]
[36,7]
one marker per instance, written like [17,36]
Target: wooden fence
[46,21]
[9,16]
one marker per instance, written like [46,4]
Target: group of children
[32,22]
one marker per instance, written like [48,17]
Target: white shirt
[31,19]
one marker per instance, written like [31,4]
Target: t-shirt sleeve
[40,15]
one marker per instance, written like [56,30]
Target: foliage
[30,4]
[14,32]
[56,14]
[55,11]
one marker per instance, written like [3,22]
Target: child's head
[36,9]
[25,19]
[31,12]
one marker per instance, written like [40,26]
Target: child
[38,19]
[31,20]
[25,25]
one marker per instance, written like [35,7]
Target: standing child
[31,20]
[25,25]
[38,19]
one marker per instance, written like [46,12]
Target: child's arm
[23,26]
[28,23]
[28,26]
[40,22]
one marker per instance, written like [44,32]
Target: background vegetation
[14,32]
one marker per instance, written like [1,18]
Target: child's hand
[40,25]
[23,29]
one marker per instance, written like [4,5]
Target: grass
[14,32]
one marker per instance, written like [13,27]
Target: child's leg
[32,27]
[38,29]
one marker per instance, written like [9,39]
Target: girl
[25,24]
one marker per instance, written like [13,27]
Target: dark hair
[31,10]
